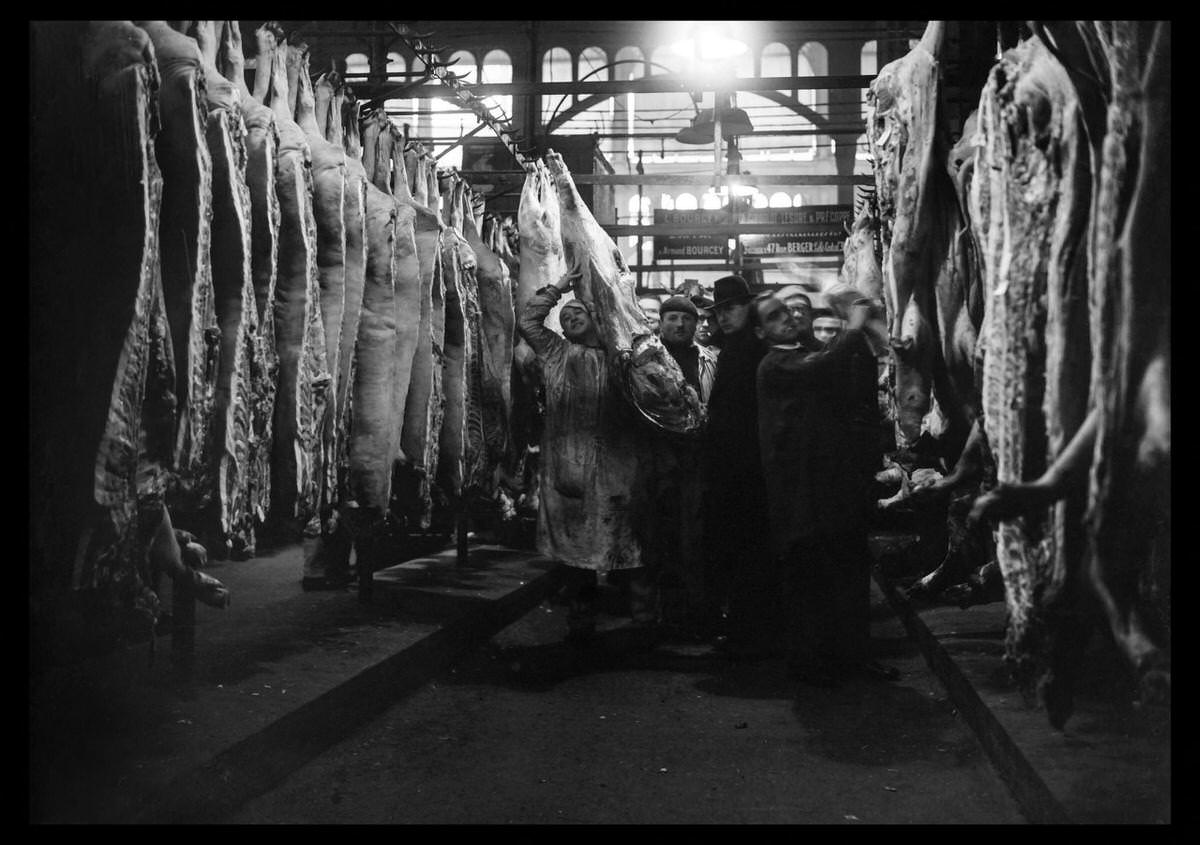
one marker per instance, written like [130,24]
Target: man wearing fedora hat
[735,523]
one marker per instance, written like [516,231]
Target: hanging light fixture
[734,122]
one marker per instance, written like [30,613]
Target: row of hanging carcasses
[255,305]
[1026,272]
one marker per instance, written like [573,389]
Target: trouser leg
[581,592]
[851,598]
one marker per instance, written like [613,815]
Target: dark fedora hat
[729,290]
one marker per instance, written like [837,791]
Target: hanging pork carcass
[328,171]
[327,559]
[425,406]
[540,263]
[186,243]
[410,288]
[339,130]
[457,453]
[304,380]
[103,410]
[652,379]
[261,141]
[497,330]
[926,266]
[233,291]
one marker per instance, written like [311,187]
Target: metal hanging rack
[435,68]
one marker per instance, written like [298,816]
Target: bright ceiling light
[708,43]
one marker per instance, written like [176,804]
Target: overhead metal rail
[661,84]
[685,179]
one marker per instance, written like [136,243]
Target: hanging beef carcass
[103,410]
[1129,507]
[925,272]
[233,291]
[261,142]
[186,241]
[1029,202]
[1124,441]
[653,381]
[299,336]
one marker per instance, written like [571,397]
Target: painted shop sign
[811,230]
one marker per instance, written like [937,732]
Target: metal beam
[665,83]
[693,180]
[618,230]
[747,264]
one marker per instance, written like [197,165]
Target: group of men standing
[753,532]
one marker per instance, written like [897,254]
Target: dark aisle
[528,730]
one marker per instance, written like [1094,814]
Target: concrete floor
[282,676]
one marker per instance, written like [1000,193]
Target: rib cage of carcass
[652,380]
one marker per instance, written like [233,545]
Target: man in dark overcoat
[739,566]
[818,490]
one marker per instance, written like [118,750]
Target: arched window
[743,65]
[667,201]
[780,199]
[797,200]
[776,61]
[629,63]
[593,59]
[664,55]
[497,70]
[759,200]
[556,67]
[812,60]
[464,66]
[868,65]
[448,122]
[357,63]
[399,110]
[685,202]
[711,201]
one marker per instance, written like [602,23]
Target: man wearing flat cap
[735,521]
[674,542]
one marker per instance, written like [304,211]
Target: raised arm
[822,370]
[532,323]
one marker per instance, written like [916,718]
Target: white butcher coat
[590,495]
